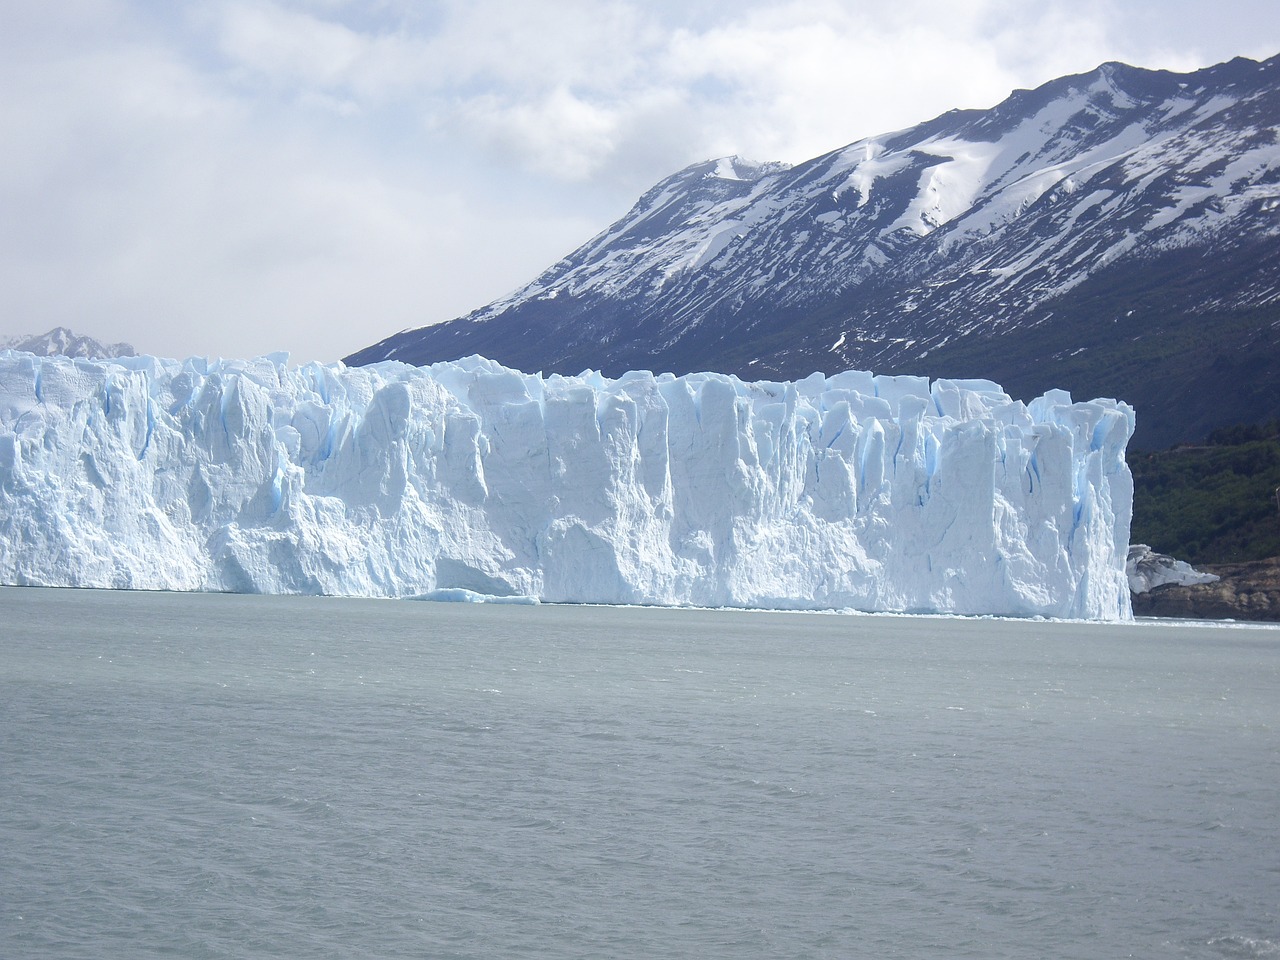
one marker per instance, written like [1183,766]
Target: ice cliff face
[877,493]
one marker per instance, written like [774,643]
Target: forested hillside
[1216,503]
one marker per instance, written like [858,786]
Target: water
[251,777]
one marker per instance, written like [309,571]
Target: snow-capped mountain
[1116,233]
[61,342]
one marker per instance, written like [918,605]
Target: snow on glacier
[851,491]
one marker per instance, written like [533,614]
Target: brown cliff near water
[1245,591]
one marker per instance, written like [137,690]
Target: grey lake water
[204,776]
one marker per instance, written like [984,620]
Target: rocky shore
[1243,591]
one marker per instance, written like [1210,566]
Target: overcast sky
[235,178]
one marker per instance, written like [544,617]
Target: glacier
[852,491]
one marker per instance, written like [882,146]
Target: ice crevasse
[849,491]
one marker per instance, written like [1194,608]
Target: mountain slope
[1114,233]
[61,341]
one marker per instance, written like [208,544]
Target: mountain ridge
[62,341]
[915,250]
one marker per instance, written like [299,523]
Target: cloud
[801,78]
[568,89]
[296,53]
[250,175]
[149,199]
[559,134]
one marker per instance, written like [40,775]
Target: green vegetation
[1211,504]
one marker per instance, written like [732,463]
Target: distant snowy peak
[61,341]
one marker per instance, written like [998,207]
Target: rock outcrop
[1243,591]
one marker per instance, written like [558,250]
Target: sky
[238,177]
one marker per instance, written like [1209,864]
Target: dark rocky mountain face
[1115,233]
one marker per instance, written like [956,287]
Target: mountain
[60,341]
[1114,233]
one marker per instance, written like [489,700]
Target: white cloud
[146,201]
[252,175]
[291,51]
[294,46]
[558,134]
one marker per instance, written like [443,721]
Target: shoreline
[1244,591]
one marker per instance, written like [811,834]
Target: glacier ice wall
[871,492]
